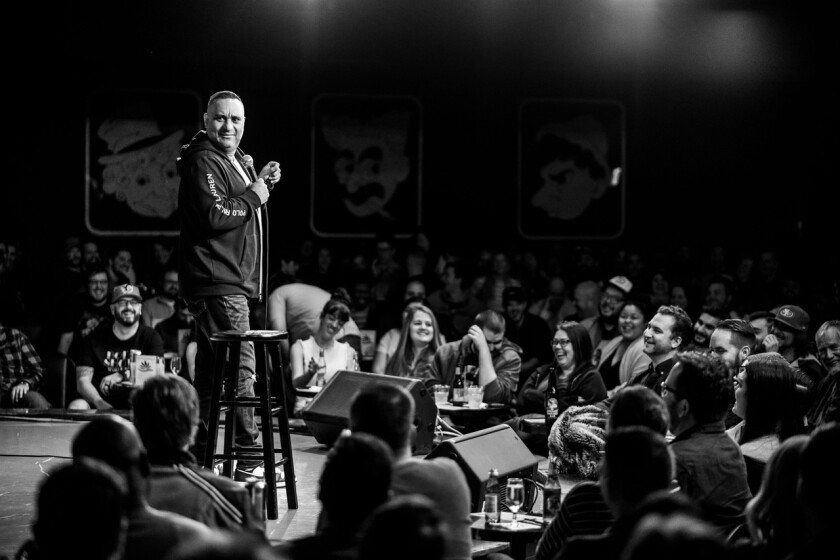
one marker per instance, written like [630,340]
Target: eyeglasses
[612,299]
[564,342]
[663,388]
[128,303]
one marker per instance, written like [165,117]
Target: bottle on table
[321,372]
[552,493]
[552,404]
[492,513]
[459,391]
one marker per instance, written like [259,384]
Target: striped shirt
[583,512]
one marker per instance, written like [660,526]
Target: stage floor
[31,447]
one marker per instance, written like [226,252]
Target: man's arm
[84,385]
[33,368]
[210,196]
[64,342]
[277,320]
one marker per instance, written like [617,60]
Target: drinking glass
[441,394]
[515,497]
[175,365]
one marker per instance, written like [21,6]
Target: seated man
[21,371]
[83,313]
[178,335]
[166,417]
[387,411]
[96,384]
[409,527]
[161,306]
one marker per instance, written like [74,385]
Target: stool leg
[231,382]
[215,406]
[267,426]
[285,435]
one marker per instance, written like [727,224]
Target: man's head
[165,414]
[828,346]
[81,512]
[615,292]
[97,285]
[667,331]
[698,390]
[556,292]
[90,253]
[492,325]
[790,326]
[760,322]
[355,480]
[638,405]
[414,289]
[412,520]
[72,252]
[126,304]
[704,327]
[733,340]
[719,294]
[515,301]
[169,285]
[637,462]
[385,411]
[819,486]
[587,298]
[225,121]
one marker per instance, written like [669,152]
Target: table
[529,530]
[472,419]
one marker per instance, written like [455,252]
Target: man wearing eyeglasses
[604,326]
[98,387]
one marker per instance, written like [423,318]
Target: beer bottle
[552,405]
[492,513]
[321,373]
[551,493]
[459,391]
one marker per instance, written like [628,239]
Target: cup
[441,394]
[475,395]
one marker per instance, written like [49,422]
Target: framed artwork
[132,143]
[366,165]
[571,169]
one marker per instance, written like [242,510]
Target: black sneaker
[243,473]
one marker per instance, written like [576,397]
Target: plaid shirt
[18,360]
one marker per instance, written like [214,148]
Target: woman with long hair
[766,400]
[621,358]
[419,339]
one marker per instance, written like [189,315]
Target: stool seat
[266,404]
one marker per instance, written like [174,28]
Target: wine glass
[175,364]
[515,497]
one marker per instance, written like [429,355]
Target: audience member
[224,545]
[355,480]
[386,347]
[587,298]
[622,358]
[527,330]
[388,273]
[454,306]
[733,341]
[604,325]
[826,407]
[419,340]
[766,400]
[666,334]
[80,513]
[408,527]
[21,371]
[179,337]
[84,313]
[706,324]
[710,465]
[760,322]
[324,271]
[69,276]
[583,510]
[719,292]
[162,305]
[306,353]
[388,412]
[680,535]
[120,267]
[91,256]
[152,533]
[556,306]
[774,517]
[97,386]
[166,417]
[489,287]
[498,359]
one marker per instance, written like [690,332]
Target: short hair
[722,279]
[461,270]
[491,320]
[742,332]
[112,439]
[638,303]
[676,535]
[165,413]
[410,524]
[830,324]
[706,383]
[716,312]
[81,508]
[219,95]
[639,405]
[819,486]
[637,462]
[356,478]
[385,411]
[581,343]
[683,326]
[759,315]
[772,405]
[94,270]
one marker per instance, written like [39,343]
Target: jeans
[214,314]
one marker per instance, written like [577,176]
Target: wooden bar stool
[267,406]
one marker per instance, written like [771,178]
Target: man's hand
[260,189]
[476,335]
[108,382]
[271,173]
[19,390]
[770,343]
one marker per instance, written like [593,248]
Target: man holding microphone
[221,250]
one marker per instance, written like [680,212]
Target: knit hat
[794,317]
[576,440]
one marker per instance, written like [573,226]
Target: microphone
[248,161]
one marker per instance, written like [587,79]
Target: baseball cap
[514,293]
[793,317]
[126,291]
[622,283]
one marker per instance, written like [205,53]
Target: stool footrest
[246,401]
[258,456]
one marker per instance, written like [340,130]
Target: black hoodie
[219,246]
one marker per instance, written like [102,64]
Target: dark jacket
[220,239]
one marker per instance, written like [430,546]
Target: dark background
[730,107]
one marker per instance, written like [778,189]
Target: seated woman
[305,353]
[766,399]
[622,358]
[389,342]
[419,339]
[578,383]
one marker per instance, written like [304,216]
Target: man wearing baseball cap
[98,384]
[788,335]
[604,327]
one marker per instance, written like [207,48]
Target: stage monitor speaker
[329,412]
[499,448]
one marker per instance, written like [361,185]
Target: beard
[127,320]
